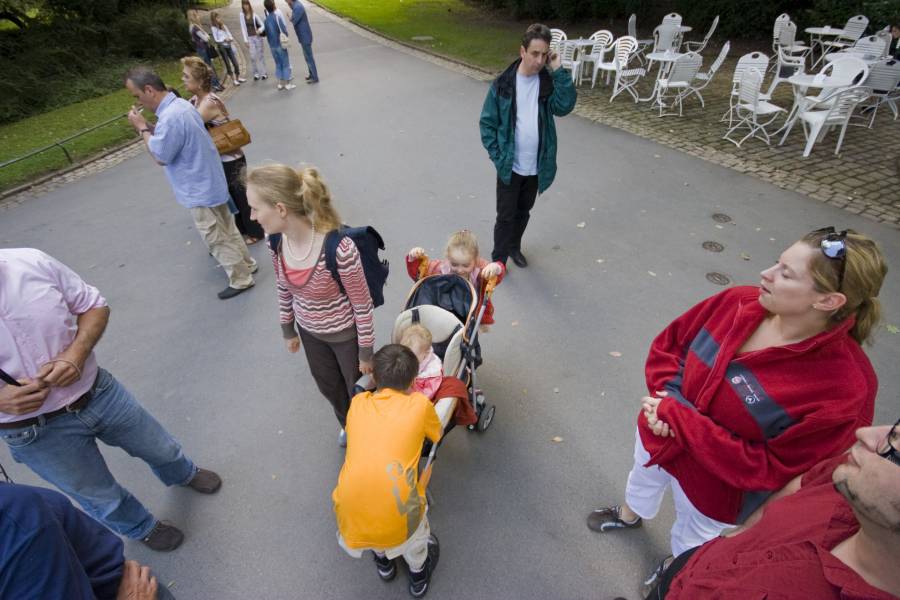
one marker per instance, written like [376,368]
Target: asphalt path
[397,139]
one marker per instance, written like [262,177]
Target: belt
[80,403]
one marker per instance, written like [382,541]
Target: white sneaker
[237,83]
[280,87]
[290,86]
[241,80]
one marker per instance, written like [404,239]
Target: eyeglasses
[891,452]
[834,246]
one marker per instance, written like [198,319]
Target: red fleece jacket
[745,425]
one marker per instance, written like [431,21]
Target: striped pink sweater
[319,307]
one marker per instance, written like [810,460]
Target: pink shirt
[430,376]
[40,299]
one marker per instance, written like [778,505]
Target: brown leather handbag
[229,137]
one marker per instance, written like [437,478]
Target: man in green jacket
[518,131]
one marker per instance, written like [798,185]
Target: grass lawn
[458,29]
[29,134]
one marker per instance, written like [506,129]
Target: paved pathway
[397,139]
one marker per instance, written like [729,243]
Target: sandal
[605,519]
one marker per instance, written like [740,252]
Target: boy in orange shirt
[378,502]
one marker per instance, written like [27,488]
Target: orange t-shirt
[377,501]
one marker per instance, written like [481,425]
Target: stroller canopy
[450,292]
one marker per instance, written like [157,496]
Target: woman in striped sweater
[336,328]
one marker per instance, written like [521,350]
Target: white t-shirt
[527,140]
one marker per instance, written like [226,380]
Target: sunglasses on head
[834,246]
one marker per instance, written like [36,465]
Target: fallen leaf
[892,328]
[274,476]
[771,239]
[615,354]
[280,432]
[593,209]
[651,273]
[557,439]
[581,225]
[514,324]
[525,391]
[600,260]
[759,228]
[745,256]
[686,184]
[555,390]
[719,227]
[602,393]
[656,156]
[187,243]
[556,247]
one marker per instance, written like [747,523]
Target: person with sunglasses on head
[834,532]
[754,386]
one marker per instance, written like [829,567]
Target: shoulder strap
[8,379]
[332,241]
[274,241]
[221,104]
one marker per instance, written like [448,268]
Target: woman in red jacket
[754,386]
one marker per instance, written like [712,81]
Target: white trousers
[257,56]
[644,494]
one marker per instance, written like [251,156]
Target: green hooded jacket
[556,96]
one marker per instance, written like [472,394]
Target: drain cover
[721,218]
[713,246]
[718,278]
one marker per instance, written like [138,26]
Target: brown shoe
[164,537]
[205,482]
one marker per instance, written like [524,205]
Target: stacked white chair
[626,77]
[567,59]
[883,80]
[702,80]
[754,60]
[672,19]
[677,80]
[643,45]
[665,39]
[873,45]
[557,36]
[701,45]
[751,111]
[818,118]
[787,40]
[853,30]
[787,66]
[602,43]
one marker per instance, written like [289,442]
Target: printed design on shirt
[768,414]
[705,348]
[411,508]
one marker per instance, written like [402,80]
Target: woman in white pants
[253,30]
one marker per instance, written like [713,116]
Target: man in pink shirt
[55,401]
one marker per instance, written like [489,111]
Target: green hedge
[71,57]
[750,19]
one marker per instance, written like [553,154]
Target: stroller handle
[489,286]
[423,266]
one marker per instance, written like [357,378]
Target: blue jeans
[282,63]
[310,61]
[64,452]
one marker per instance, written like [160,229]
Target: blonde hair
[464,240]
[214,20]
[302,192]
[416,333]
[864,270]
[193,16]
[199,70]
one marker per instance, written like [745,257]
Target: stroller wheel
[486,417]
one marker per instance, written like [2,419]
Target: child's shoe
[419,581]
[387,568]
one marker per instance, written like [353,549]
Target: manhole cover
[713,246]
[721,218]
[718,278]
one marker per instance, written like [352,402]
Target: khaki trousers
[216,227]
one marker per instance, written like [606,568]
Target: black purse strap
[8,379]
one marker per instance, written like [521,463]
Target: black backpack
[368,242]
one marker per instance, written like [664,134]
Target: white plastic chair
[750,108]
[845,68]
[702,80]
[644,44]
[883,79]
[853,30]
[754,60]
[626,78]
[871,44]
[602,43]
[672,19]
[701,45]
[787,40]
[818,119]
[567,59]
[782,20]
[557,36]
[677,80]
[665,39]
[786,67]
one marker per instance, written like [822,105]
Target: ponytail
[302,192]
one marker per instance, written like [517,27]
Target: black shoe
[387,568]
[264,77]
[519,259]
[205,482]
[164,537]
[231,292]
[606,519]
[312,81]
[420,581]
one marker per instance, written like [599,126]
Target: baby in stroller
[431,370]
[462,258]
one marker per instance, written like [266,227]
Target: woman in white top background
[253,29]
[225,40]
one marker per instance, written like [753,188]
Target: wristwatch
[147,130]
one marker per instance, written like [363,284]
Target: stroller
[448,306]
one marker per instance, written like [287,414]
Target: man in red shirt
[832,533]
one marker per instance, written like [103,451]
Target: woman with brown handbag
[197,78]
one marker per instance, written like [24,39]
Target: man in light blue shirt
[180,143]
